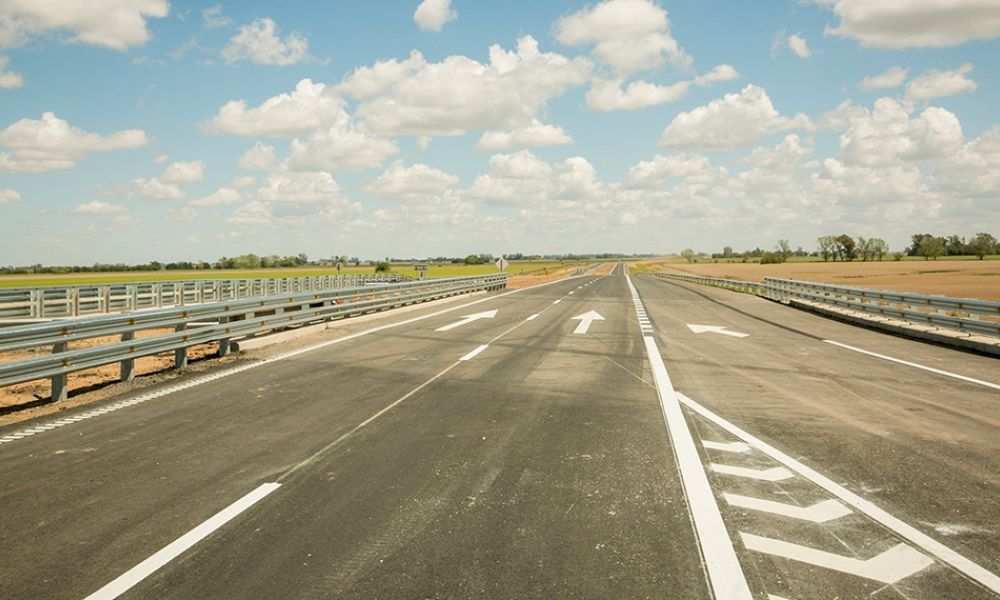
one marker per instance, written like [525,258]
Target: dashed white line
[149,566]
[532,317]
[475,352]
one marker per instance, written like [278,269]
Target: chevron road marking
[821,512]
[896,563]
[738,447]
[772,474]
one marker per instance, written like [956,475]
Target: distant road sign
[501,263]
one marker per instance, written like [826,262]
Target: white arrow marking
[585,320]
[716,329]
[896,563]
[726,447]
[468,319]
[821,512]
[772,474]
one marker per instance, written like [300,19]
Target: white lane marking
[916,365]
[821,512]
[489,314]
[896,563]
[774,597]
[716,329]
[772,474]
[585,320]
[532,317]
[738,447]
[166,391]
[725,575]
[918,538]
[557,301]
[149,566]
[473,354]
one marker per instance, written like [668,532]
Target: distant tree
[827,247]
[916,239]
[727,252]
[846,247]
[931,247]
[784,249]
[898,256]
[879,247]
[954,245]
[771,258]
[983,244]
[382,267]
[688,254]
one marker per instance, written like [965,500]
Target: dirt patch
[956,279]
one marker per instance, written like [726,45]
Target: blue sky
[135,130]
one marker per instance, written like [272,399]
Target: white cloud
[308,108]
[258,158]
[212,17]
[182,214]
[734,121]
[161,158]
[50,143]
[96,207]
[117,24]
[607,95]
[887,135]
[220,197]
[935,84]
[295,200]
[916,23]
[654,173]
[628,35]
[415,181]
[365,82]
[717,74]
[840,117]
[431,15]
[533,135]
[9,79]
[299,188]
[167,185]
[8,196]
[523,179]
[341,147]
[799,46]
[893,77]
[258,42]
[459,94]
[243,182]
[184,172]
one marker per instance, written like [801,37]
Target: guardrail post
[224,344]
[60,383]
[180,354]
[128,365]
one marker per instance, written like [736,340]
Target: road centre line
[473,354]
[915,365]
[725,575]
[165,391]
[946,555]
[174,549]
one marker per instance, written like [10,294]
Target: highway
[596,437]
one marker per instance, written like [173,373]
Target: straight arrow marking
[716,329]
[896,563]
[585,320]
[772,474]
[821,512]
[468,319]
[739,447]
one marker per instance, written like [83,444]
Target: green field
[434,270]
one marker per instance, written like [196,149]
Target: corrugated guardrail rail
[48,302]
[971,316]
[199,324]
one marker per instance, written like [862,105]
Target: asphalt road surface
[597,437]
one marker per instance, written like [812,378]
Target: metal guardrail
[48,302]
[958,314]
[215,322]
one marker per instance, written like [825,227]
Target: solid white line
[725,576]
[928,544]
[915,365]
[180,545]
[473,354]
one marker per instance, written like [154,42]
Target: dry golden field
[955,278]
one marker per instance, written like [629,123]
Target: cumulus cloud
[295,200]
[9,79]
[798,45]
[116,24]
[343,146]
[460,94]
[523,179]
[223,196]
[8,196]
[431,15]
[308,108]
[893,77]
[607,95]
[888,135]
[96,207]
[161,158]
[184,172]
[50,143]
[533,135]
[717,74]
[366,82]
[259,43]
[735,121]
[916,23]
[258,158]
[628,35]
[936,84]
[654,173]
[167,185]
[415,181]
